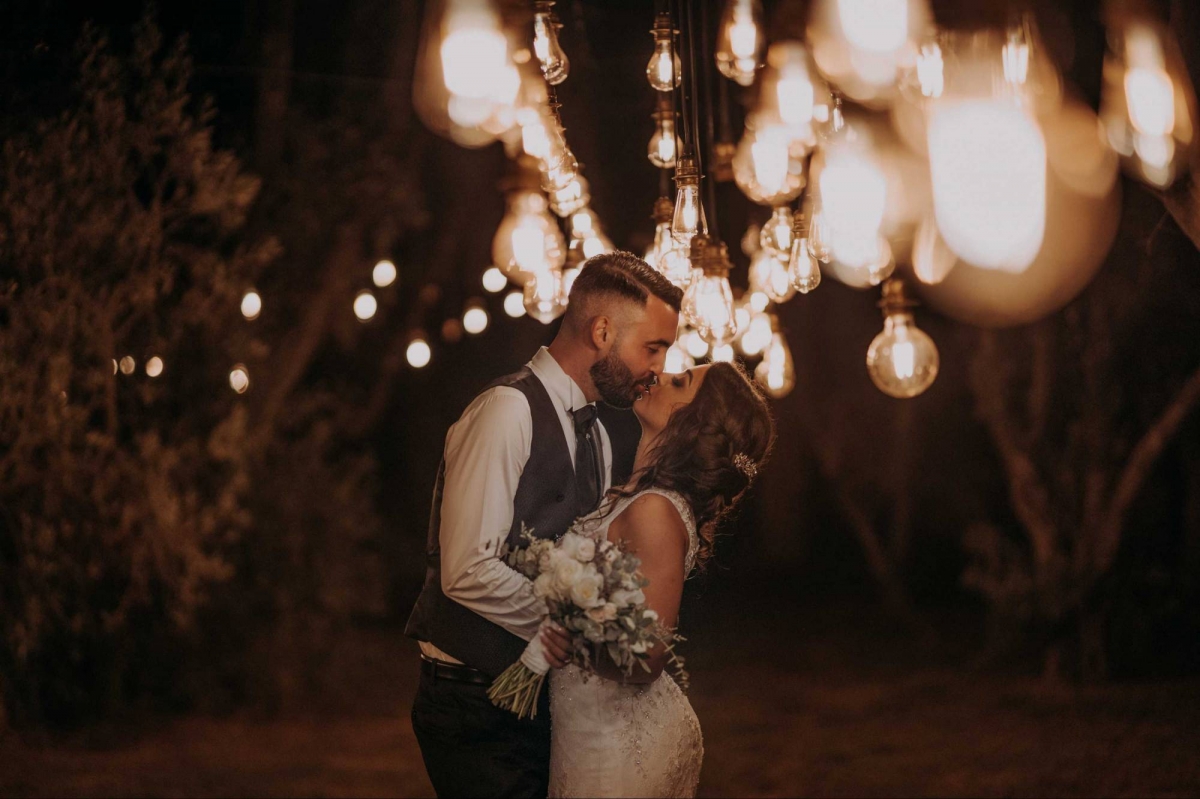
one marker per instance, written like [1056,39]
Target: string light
[494,280]
[418,353]
[239,379]
[365,306]
[251,305]
[514,304]
[384,274]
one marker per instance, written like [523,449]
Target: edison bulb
[688,219]
[666,257]
[544,297]
[764,167]
[708,307]
[902,360]
[777,372]
[664,70]
[803,271]
[678,360]
[777,283]
[528,240]
[740,41]
[550,54]
[818,235]
[663,144]
[776,236]
[418,353]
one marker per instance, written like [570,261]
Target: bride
[704,434]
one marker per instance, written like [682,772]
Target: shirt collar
[562,387]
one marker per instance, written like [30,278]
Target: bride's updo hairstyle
[710,449]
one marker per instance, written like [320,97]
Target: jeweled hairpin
[746,465]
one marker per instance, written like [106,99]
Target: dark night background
[839,644]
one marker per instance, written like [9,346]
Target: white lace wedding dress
[610,739]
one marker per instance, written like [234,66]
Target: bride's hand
[558,645]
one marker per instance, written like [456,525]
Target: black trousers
[473,748]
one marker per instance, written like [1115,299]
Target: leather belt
[440,670]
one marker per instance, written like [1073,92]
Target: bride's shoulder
[652,515]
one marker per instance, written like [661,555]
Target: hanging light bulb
[688,219]
[664,70]
[550,55]
[740,41]
[902,360]
[664,144]
[769,275]
[818,235]
[764,166]
[572,197]
[708,302]
[757,335]
[776,236]
[803,271]
[850,201]
[528,240]
[664,254]
[790,96]
[545,298]
[678,360]
[861,45]
[1147,108]
[465,83]
[777,372]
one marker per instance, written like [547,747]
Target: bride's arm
[652,529]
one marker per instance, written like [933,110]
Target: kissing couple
[529,452]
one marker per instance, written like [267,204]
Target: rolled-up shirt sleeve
[486,452]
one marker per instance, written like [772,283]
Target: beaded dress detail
[610,739]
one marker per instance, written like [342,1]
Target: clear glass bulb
[803,271]
[764,167]
[776,236]
[528,240]
[550,54]
[664,70]
[666,256]
[571,198]
[688,219]
[708,307]
[664,144]
[464,82]
[678,360]
[882,265]
[778,284]
[902,360]
[757,335]
[545,296]
[777,372]
[740,40]
[818,235]
[1147,103]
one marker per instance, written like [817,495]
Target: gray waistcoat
[545,501]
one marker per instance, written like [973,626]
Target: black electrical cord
[708,147]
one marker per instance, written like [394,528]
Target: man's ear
[602,333]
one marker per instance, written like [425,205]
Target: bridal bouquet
[594,591]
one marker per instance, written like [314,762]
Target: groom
[527,450]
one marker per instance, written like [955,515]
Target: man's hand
[558,645]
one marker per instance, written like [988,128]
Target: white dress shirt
[486,451]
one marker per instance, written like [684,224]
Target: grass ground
[839,705]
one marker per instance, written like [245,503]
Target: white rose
[585,593]
[652,615]
[569,545]
[566,572]
[603,613]
[543,586]
[586,550]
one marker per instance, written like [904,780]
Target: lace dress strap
[689,521]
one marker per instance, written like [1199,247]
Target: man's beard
[615,381]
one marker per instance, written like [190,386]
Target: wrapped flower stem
[518,686]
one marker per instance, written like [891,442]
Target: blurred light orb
[677,360]
[757,336]
[494,280]
[251,305]
[365,305]
[932,260]
[987,159]
[239,379]
[723,353]
[452,330]
[154,366]
[695,344]
[418,353]
[128,364]
[759,301]
[475,320]
[514,304]
[384,273]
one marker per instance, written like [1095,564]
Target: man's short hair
[617,275]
